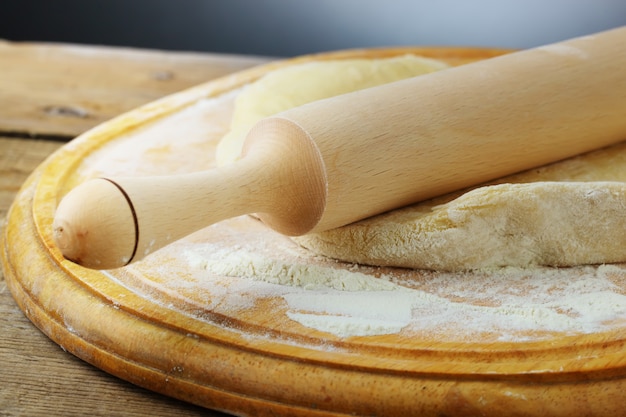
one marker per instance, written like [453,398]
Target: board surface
[295,334]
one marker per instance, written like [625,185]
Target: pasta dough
[569,213]
[300,84]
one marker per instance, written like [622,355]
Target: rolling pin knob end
[66,239]
[95,227]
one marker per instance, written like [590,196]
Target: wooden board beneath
[258,343]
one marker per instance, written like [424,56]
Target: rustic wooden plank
[38,377]
[18,158]
[60,90]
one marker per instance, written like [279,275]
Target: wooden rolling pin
[339,160]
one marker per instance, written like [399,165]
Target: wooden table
[50,93]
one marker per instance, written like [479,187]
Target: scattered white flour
[359,313]
[241,263]
[344,301]
[338,301]
[345,326]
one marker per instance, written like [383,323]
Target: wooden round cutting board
[238,318]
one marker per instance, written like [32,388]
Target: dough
[569,213]
[300,84]
[565,214]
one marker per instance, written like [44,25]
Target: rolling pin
[335,161]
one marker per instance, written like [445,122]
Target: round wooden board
[490,344]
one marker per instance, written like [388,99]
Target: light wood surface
[55,92]
[223,341]
[59,91]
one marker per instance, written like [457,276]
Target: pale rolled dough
[569,213]
[300,84]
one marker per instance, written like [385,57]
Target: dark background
[293,27]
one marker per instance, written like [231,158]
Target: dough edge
[521,225]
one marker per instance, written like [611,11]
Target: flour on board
[344,301]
